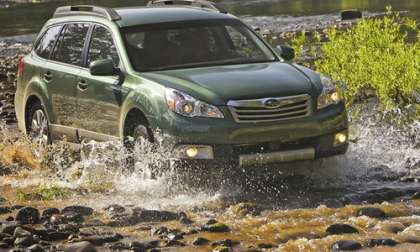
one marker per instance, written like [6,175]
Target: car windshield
[193,44]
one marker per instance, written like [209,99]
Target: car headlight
[187,105]
[329,93]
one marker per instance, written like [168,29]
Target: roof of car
[131,16]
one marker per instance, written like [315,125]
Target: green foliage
[41,193]
[373,55]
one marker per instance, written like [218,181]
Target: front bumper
[258,143]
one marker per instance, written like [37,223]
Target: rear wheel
[38,125]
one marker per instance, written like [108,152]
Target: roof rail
[196,3]
[88,10]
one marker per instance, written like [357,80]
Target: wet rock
[225,243]
[266,245]
[138,246]
[174,243]
[101,239]
[185,221]
[25,241]
[20,232]
[82,210]
[17,207]
[5,210]
[115,209]
[143,215]
[58,219]
[371,212]
[2,200]
[83,246]
[341,229]
[211,222]
[41,232]
[68,228]
[35,248]
[73,217]
[346,245]
[49,212]
[174,236]
[57,236]
[10,218]
[200,241]
[9,227]
[381,242]
[4,245]
[216,228]
[222,249]
[27,215]
[416,196]
[152,244]
[159,231]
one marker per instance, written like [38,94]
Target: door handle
[48,76]
[82,85]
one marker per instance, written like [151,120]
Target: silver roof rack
[195,3]
[88,10]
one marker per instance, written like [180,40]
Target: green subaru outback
[186,69]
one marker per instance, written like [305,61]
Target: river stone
[226,243]
[101,239]
[27,215]
[35,248]
[48,212]
[73,217]
[222,249]
[4,245]
[24,241]
[372,212]
[2,200]
[82,210]
[346,245]
[83,246]
[381,242]
[266,245]
[17,207]
[20,232]
[216,228]
[58,219]
[115,209]
[200,241]
[341,229]
[5,210]
[9,227]
[416,196]
[143,215]
[57,236]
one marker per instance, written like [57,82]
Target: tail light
[21,66]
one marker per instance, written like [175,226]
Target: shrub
[374,55]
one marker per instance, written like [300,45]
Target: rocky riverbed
[67,201]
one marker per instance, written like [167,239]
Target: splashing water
[384,140]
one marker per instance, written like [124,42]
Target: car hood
[219,84]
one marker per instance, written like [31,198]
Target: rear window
[70,45]
[46,43]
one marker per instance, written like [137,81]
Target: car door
[99,101]
[68,60]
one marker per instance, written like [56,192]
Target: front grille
[270,109]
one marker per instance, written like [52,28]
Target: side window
[102,46]
[71,43]
[46,43]
[242,43]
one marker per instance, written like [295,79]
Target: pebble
[381,242]
[216,228]
[371,212]
[27,215]
[35,248]
[200,241]
[82,210]
[48,212]
[346,245]
[341,229]
[83,246]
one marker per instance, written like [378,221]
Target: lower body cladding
[269,152]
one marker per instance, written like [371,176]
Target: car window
[46,43]
[102,46]
[71,43]
[193,44]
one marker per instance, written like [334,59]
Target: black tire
[33,111]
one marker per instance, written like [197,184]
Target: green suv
[186,69]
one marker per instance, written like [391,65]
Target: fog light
[195,151]
[191,152]
[340,138]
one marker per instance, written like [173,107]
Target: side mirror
[103,67]
[286,52]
